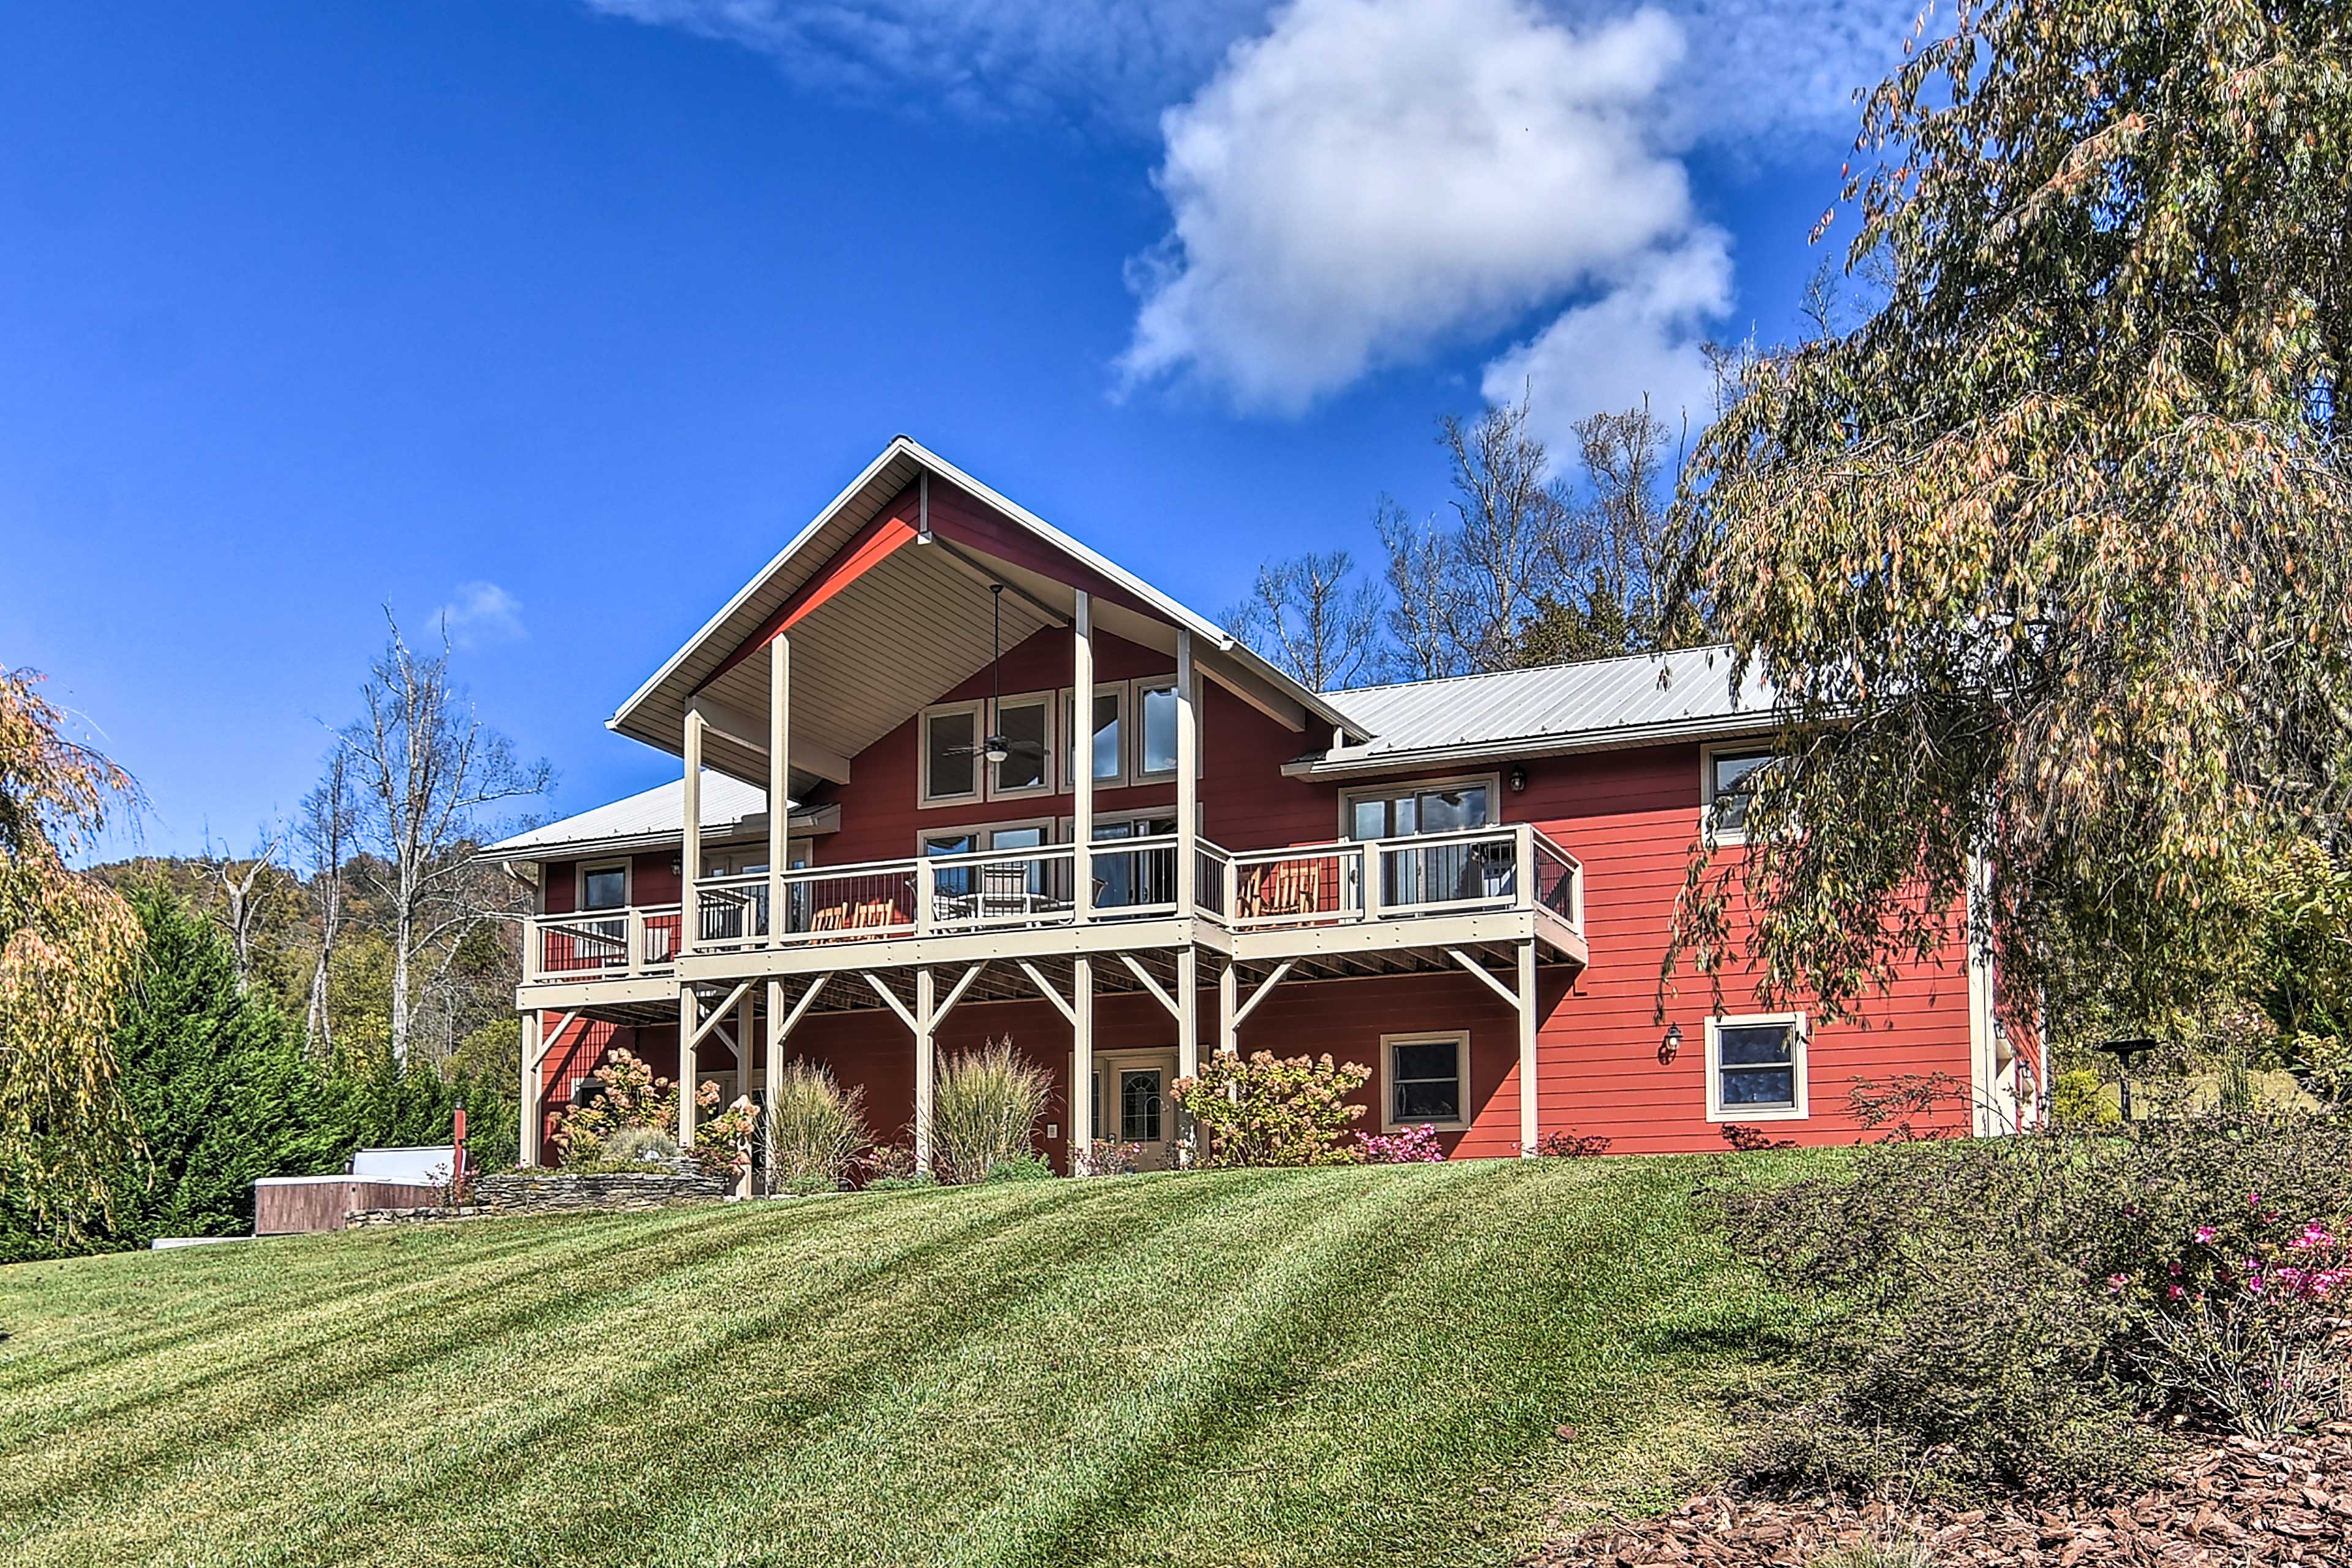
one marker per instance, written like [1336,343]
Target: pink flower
[2204,1236]
[2116,1282]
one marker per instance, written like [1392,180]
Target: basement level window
[1428,1080]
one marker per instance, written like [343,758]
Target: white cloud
[1639,340]
[1374,178]
[481,613]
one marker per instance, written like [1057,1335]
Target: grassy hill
[1355,1365]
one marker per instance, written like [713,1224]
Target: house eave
[1529,748]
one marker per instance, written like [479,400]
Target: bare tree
[325,828]
[1308,615]
[1508,513]
[1421,613]
[244,890]
[1616,540]
[426,769]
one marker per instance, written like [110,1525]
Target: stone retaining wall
[361,1218]
[575,1192]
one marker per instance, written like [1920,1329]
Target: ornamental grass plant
[986,1109]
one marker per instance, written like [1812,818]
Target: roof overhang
[1356,761]
[884,596]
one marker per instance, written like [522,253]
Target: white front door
[1132,1105]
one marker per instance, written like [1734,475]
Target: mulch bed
[2240,1502]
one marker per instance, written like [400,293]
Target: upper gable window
[1155,749]
[1025,726]
[1731,780]
[951,753]
[1110,727]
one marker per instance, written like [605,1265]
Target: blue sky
[564,314]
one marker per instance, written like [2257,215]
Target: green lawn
[1344,1366]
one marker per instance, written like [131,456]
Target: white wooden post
[1188,1031]
[774,1006]
[1082,1060]
[689,1021]
[780,779]
[1529,1132]
[690,859]
[743,1071]
[925,1068]
[1229,1029]
[1082,757]
[1369,875]
[1523,855]
[1188,782]
[533,1068]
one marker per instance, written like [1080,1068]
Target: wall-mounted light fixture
[1672,1045]
[1518,779]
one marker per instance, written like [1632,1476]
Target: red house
[1463,884]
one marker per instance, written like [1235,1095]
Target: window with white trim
[1427,1079]
[1730,778]
[605,886]
[1155,728]
[1756,1067]
[1109,730]
[950,752]
[1025,725]
[1403,811]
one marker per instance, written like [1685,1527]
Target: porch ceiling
[868,659]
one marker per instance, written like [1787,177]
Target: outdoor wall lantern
[1517,779]
[1672,1045]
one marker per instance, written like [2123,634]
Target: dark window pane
[1448,810]
[1138,1106]
[1754,1044]
[1369,819]
[948,756]
[607,890]
[1760,1087]
[1107,732]
[1433,1059]
[1023,726]
[1427,1102]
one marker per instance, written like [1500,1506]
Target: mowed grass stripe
[1228,1368]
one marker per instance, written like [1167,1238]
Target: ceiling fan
[995,748]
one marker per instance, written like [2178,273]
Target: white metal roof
[1638,699]
[654,815]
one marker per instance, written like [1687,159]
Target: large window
[605,886]
[1025,726]
[1109,737]
[1155,740]
[1412,809]
[1731,780]
[1428,1080]
[951,758]
[1756,1067]
[1456,872]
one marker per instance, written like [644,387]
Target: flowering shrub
[1106,1159]
[1408,1146]
[722,1142]
[1273,1111]
[1573,1145]
[2248,1318]
[631,1097]
[1749,1139]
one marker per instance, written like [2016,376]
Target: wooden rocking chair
[1285,888]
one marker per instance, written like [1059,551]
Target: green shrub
[1997,1311]
[1021,1168]
[986,1110]
[1273,1111]
[638,1146]
[2079,1098]
[816,1129]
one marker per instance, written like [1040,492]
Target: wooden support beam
[1082,760]
[1229,1023]
[533,1088]
[1045,988]
[1530,1132]
[891,998]
[800,1008]
[687,1034]
[1509,995]
[717,1015]
[689,864]
[1264,989]
[955,993]
[1082,1059]
[733,725]
[550,1038]
[925,1068]
[1151,985]
[780,779]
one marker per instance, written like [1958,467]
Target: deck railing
[1344,883]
